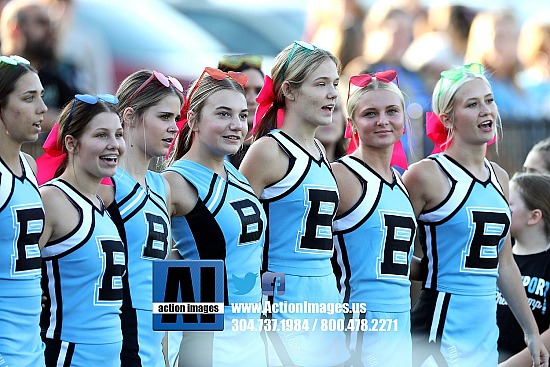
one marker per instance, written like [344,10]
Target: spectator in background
[456,22]
[493,43]
[251,66]
[83,48]
[25,30]
[336,25]
[530,207]
[538,159]
[442,44]
[388,31]
[332,135]
[534,54]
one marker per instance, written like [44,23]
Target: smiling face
[316,97]
[379,118]
[223,123]
[98,149]
[157,129]
[475,113]
[25,109]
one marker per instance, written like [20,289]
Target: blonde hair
[443,98]
[376,84]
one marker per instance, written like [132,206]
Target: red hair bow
[48,162]
[437,132]
[265,100]
[179,124]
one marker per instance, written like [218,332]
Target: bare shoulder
[31,161]
[264,163]
[425,183]
[502,177]
[349,187]
[263,150]
[61,214]
[183,195]
[342,174]
[421,172]
[500,172]
[55,201]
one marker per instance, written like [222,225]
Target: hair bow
[265,100]
[48,162]
[179,124]
[437,132]
[362,80]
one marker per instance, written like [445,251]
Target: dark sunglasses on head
[236,61]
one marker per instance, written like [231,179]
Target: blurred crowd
[416,40]
[420,42]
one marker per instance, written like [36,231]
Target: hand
[538,351]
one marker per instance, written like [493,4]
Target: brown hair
[74,121]
[534,189]
[205,88]
[302,63]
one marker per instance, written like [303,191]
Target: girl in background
[530,206]
[251,66]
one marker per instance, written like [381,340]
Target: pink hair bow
[437,132]
[180,124]
[48,162]
[398,158]
[265,100]
[52,158]
[362,80]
